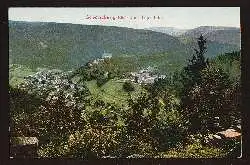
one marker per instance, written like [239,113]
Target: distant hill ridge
[168,30]
[221,34]
[67,46]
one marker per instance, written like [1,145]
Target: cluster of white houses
[145,76]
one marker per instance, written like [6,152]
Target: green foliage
[101,81]
[128,86]
[17,74]
[192,71]
[67,46]
[91,113]
[102,72]
[195,150]
[22,114]
[53,149]
[112,92]
[205,95]
[94,142]
[57,118]
[54,109]
[104,135]
[165,62]
[208,100]
[230,63]
[156,119]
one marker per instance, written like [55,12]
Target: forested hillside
[157,96]
[67,46]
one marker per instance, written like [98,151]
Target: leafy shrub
[22,108]
[207,101]
[58,118]
[101,71]
[53,149]
[101,80]
[230,63]
[94,142]
[195,150]
[108,134]
[128,86]
[156,120]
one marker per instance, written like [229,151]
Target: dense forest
[66,46]
[95,111]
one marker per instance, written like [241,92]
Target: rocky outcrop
[23,147]
[229,134]
[223,137]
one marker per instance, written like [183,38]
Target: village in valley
[143,76]
[146,88]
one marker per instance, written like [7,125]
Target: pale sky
[178,17]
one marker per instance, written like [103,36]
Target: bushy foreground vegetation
[89,113]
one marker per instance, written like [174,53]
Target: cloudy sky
[136,17]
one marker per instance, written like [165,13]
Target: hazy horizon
[132,17]
[128,27]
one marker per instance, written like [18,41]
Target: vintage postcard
[125,82]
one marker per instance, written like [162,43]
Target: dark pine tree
[196,64]
[191,75]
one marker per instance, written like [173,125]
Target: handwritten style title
[104,17]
